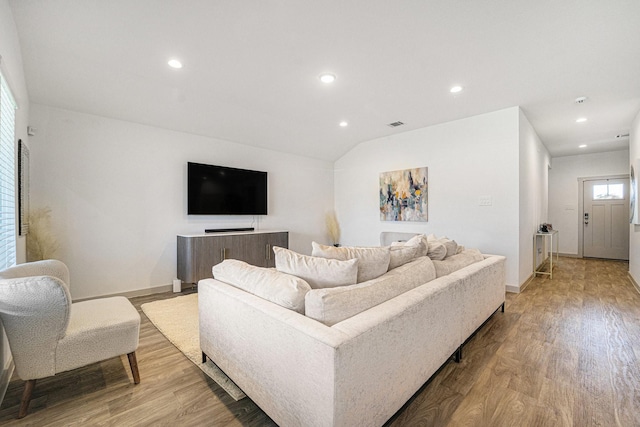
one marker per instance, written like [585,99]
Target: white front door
[606,218]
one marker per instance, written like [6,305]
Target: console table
[197,253]
[550,235]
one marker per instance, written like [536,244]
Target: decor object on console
[404,195]
[314,369]
[48,334]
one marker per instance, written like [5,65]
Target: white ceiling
[251,67]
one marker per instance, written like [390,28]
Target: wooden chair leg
[29,385]
[134,367]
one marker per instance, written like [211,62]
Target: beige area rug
[177,319]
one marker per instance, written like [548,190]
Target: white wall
[534,184]
[563,190]
[634,237]
[467,159]
[117,194]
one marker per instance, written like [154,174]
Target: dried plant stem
[41,242]
[333,227]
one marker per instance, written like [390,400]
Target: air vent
[580,100]
[395,124]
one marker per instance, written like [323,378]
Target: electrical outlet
[485,201]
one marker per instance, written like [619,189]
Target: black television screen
[219,190]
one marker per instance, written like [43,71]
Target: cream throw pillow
[437,251]
[450,245]
[420,241]
[317,272]
[283,289]
[372,262]
[401,255]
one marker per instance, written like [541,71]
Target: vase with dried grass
[41,241]
[333,227]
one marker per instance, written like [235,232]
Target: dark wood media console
[197,253]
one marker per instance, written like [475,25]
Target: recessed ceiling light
[582,146]
[455,89]
[327,78]
[344,124]
[174,63]
[581,120]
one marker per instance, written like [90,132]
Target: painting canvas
[404,195]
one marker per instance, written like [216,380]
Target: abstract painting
[403,195]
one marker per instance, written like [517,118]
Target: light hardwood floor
[565,353]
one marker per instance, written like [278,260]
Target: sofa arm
[281,359]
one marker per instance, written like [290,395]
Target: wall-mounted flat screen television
[219,190]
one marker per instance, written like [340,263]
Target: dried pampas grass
[333,227]
[41,242]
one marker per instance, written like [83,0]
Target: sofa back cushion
[401,255]
[372,262]
[283,289]
[331,306]
[458,261]
[316,271]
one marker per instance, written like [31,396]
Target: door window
[608,192]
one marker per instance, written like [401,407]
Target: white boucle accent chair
[49,334]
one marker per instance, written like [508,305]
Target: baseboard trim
[517,289]
[5,378]
[131,294]
[569,255]
[513,289]
[633,282]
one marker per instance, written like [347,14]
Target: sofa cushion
[420,241]
[318,272]
[372,262]
[331,306]
[401,255]
[283,289]
[450,245]
[456,262]
[437,250]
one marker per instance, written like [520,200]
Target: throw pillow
[401,255]
[437,251]
[372,262]
[450,245]
[283,289]
[318,272]
[419,240]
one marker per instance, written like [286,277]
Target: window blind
[7,176]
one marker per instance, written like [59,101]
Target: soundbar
[227,230]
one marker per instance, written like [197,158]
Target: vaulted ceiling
[250,68]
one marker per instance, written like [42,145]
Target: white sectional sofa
[358,371]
